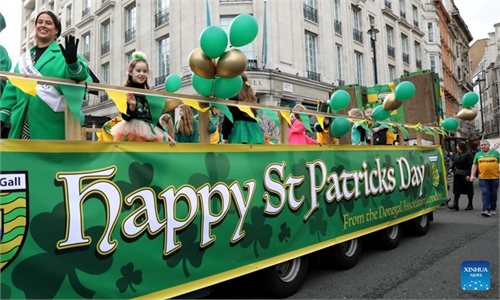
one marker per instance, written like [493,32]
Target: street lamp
[373,37]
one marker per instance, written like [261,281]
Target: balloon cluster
[404,91]
[467,113]
[216,71]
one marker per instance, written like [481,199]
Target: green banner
[131,220]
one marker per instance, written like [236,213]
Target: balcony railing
[341,82]
[418,62]
[402,14]
[68,22]
[313,76]
[310,13]
[251,64]
[388,4]
[337,25]
[161,80]
[85,11]
[415,22]
[104,98]
[104,1]
[130,35]
[162,17]
[105,48]
[357,35]
[86,55]
[390,51]
[406,58]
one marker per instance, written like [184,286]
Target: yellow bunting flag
[119,98]
[441,93]
[194,104]
[320,121]
[26,85]
[391,86]
[247,110]
[286,116]
[372,97]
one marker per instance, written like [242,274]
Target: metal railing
[104,1]
[402,14]
[130,35]
[388,4]
[310,13]
[406,58]
[390,51]
[251,64]
[105,48]
[104,98]
[160,80]
[341,82]
[415,22]
[162,17]
[357,35]
[85,11]
[337,25]
[418,62]
[68,22]
[313,76]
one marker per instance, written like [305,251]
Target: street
[427,267]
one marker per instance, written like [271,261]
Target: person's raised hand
[70,48]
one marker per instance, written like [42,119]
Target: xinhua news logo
[475,275]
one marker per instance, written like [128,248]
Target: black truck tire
[285,279]
[419,226]
[388,238]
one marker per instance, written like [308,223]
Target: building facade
[312,46]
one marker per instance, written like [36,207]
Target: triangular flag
[74,99]
[365,127]
[26,85]
[320,121]
[224,110]
[119,98]
[372,97]
[286,116]
[248,111]
[403,130]
[156,105]
[272,115]
[429,131]
[194,104]
[305,121]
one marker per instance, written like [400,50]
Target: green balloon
[213,41]
[212,128]
[173,83]
[243,30]
[379,113]
[339,100]
[227,87]
[404,91]
[202,85]
[469,99]
[450,124]
[340,126]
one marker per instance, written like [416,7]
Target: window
[130,24]
[310,11]
[86,8]
[459,73]
[105,73]
[433,63]
[415,15]
[432,32]
[69,15]
[392,73]
[337,24]
[404,46]
[162,13]
[163,4]
[86,46]
[418,60]
[105,38]
[356,25]
[390,41]
[402,8]
[311,54]
[247,49]
[128,56]
[163,60]
[338,49]
[358,70]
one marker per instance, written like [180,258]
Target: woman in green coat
[42,116]
[186,129]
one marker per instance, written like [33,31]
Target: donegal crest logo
[13,215]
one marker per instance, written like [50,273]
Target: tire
[388,238]
[419,226]
[285,279]
[345,255]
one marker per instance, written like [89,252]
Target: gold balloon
[467,114]
[201,64]
[171,104]
[231,63]
[390,102]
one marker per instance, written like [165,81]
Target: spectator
[461,168]
[358,133]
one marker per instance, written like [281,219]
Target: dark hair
[54,18]
[462,146]
[131,66]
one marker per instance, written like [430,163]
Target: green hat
[2,22]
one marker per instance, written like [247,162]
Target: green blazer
[44,123]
